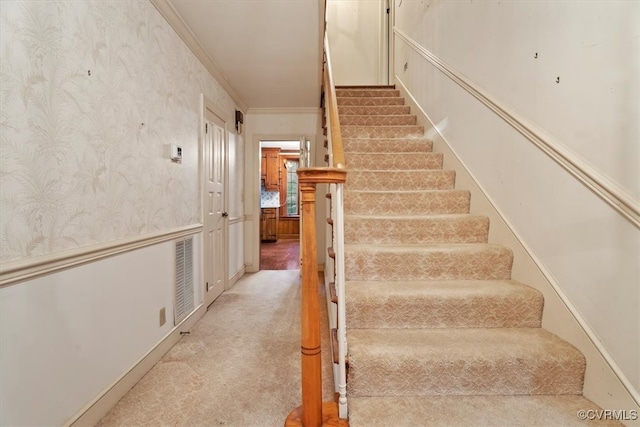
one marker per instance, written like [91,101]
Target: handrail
[336,152]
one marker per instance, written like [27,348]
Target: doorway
[360,36]
[279,215]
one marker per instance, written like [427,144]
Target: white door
[214,202]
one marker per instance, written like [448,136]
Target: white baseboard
[604,382]
[93,412]
[237,276]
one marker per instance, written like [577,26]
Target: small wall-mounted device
[174,152]
[239,121]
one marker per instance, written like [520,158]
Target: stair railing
[312,412]
[336,160]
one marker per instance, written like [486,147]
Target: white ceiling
[269,51]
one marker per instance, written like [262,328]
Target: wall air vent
[184,303]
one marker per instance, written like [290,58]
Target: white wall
[83,165]
[588,250]
[68,335]
[276,124]
[357,41]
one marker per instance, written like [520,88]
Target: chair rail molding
[21,270]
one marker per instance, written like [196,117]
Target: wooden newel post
[310,321]
[310,413]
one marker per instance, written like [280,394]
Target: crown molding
[174,19]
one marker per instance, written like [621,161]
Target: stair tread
[417,217]
[396,170]
[472,411]
[403,154]
[338,87]
[366,92]
[381,126]
[369,100]
[425,247]
[373,110]
[393,288]
[410,192]
[368,116]
[386,139]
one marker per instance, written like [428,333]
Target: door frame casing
[207,105]
[252,233]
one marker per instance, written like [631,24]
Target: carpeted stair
[438,333]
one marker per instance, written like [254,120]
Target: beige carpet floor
[240,365]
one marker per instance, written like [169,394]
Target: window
[289,202]
[291,187]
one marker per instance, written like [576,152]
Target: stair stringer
[604,382]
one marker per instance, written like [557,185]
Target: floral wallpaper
[91,92]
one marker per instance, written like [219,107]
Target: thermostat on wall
[175,152]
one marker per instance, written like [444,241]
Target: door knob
[225,214]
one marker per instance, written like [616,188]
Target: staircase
[438,333]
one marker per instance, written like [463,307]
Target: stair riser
[370,316]
[489,361]
[441,230]
[436,202]
[401,181]
[464,377]
[366,145]
[378,120]
[361,93]
[344,111]
[444,265]
[381,162]
[494,309]
[382,131]
[487,411]
[367,101]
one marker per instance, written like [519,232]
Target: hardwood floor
[283,254]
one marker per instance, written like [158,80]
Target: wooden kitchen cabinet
[269,224]
[270,168]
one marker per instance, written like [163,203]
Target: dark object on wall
[239,121]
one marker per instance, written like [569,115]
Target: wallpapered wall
[91,92]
